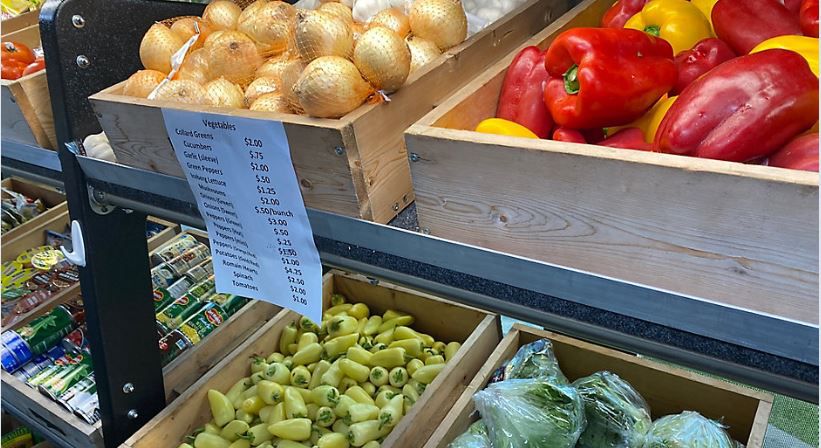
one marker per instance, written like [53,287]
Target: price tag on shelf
[241,173]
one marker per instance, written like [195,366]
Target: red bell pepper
[743,109]
[568,135]
[698,60]
[808,17]
[627,138]
[602,77]
[743,24]
[521,100]
[799,154]
[620,12]
[793,6]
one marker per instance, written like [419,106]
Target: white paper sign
[241,173]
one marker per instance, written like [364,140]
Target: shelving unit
[111,202]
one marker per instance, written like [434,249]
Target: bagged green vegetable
[617,416]
[535,360]
[687,430]
[474,437]
[531,413]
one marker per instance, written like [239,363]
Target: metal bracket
[97,200]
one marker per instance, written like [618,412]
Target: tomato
[17,51]
[13,69]
[35,66]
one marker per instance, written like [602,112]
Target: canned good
[174,248]
[188,259]
[230,303]
[76,341]
[15,351]
[45,331]
[58,366]
[32,368]
[179,310]
[89,409]
[172,345]
[180,287]
[162,298]
[162,276]
[162,330]
[201,271]
[74,402]
[80,386]
[200,325]
[203,289]
[58,384]
[55,353]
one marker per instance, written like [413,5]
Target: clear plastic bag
[687,430]
[617,416]
[535,360]
[531,413]
[474,437]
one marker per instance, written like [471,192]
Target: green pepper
[378,376]
[275,357]
[393,314]
[238,388]
[296,429]
[333,375]
[390,324]
[278,373]
[377,347]
[360,325]
[317,432]
[451,349]
[354,370]
[359,394]
[368,387]
[361,412]
[294,404]
[212,428]
[312,410]
[256,377]
[300,377]
[390,358]
[337,299]
[258,434]
[233,430]
[341,408]
[372,326]
[333,440]
[277,414]
[240,443]
[372,444]
[325,395]
[418,386]
[270,392]
[308,325]
[411,393]
[413,365]
[398,376]
[221,408]
[346,383]
[252,405]
[322,366]
[258,364]
[384,337]
[208,440]
[325,416]
[359,311]
[336,309]
[364,432]
[427,374]
[265,413]
[340,426]
[244,416]
[391,413]
[339,345]
[287,338]
[383,398]
[307,338]
[310,353]
[342,326]
[438,359]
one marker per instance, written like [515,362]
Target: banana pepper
[807,47]
[679,22]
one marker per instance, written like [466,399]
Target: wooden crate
[356,165]
[477,330]
[177,375]
[668,390]
[26,104]
[54,201]
[35,237]
[738,234]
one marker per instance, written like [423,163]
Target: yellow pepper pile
[679,22]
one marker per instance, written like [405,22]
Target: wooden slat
[666,389]
[479,332]
[54,201]
[738,234]
[24,20]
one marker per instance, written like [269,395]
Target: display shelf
[31,162]
[780,354]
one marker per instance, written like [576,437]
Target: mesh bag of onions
[268,55]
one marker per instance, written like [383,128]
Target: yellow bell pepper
[807,47]
[649,123]
[706,8]
[501,126]
[677,21]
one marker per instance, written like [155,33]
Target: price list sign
[241,173]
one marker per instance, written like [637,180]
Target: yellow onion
[195,67]
[260,87]
[330,87]
[393,19]
[422,52]
[157,47]
[235,56]
[142,83]
[223,14]
[288,78]
[383,58]
[272,27]
[250,11]
[182,91]
[224,93]
[321,34]
[187,27]
[213,37]
[339,10]
[272,68]
[271,102]
[442,22]
[358,29]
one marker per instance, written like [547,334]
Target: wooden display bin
[26,104]
[356,165]
[177,375]
[668,390]
[478,331]
[54,201]
[742,235]
[35,237]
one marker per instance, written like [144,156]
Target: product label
[241,173]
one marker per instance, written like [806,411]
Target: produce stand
[595,317]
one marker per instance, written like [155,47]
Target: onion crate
[742,235]
[178,375]
[27,116]
[668,390]
[477,330]
[356,165]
